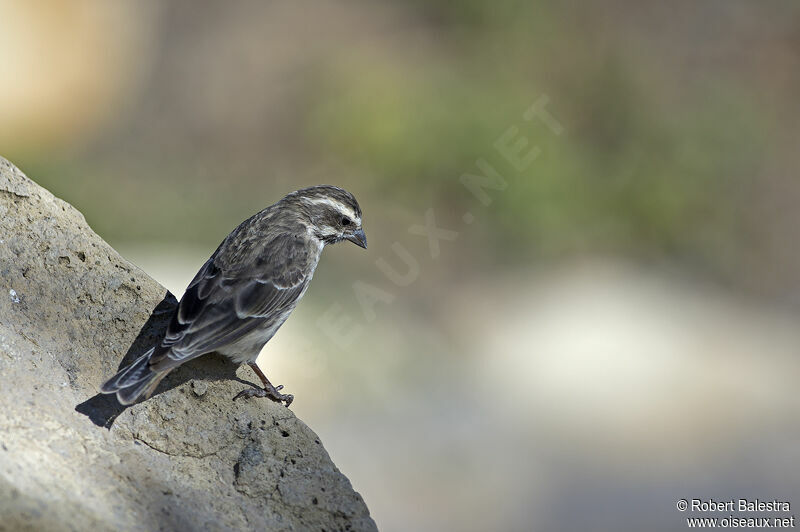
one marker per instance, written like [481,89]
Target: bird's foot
[271,392]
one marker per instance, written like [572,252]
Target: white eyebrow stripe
[342,208]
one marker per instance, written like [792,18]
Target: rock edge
[71,308]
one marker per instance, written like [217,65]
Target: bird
[247,289]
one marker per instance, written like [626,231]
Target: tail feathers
[143,389]
[135,381]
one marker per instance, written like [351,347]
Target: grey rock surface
[189,458]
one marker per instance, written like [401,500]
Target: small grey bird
[247,289]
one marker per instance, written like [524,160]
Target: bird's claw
[287,399]
[273,394]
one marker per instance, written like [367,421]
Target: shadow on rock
[103,409]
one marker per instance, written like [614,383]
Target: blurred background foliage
[658,163]
[167,124]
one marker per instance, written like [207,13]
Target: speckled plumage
[248,288]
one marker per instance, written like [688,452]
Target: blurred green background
[555,367]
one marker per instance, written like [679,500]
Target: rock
[189,458]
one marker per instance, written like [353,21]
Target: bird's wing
[221,305]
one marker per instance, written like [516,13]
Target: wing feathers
[220,307]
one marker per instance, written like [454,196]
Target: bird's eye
[346,221]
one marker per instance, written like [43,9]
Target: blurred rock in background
[614,326]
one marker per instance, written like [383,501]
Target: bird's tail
[134,381]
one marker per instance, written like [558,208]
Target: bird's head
[331,214]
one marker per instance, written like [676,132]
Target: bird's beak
[358,238]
